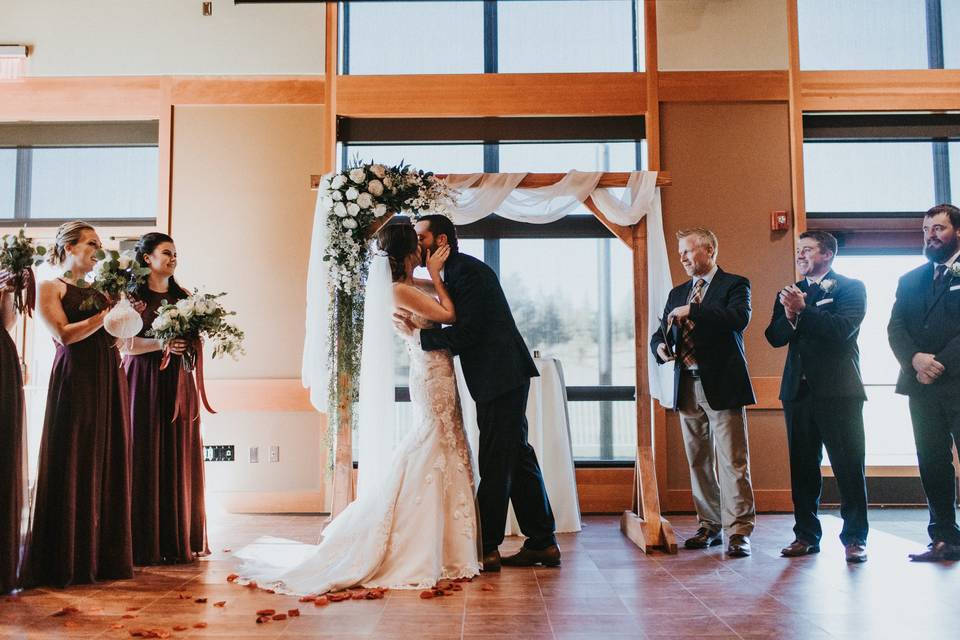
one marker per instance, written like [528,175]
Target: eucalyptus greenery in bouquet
[17,256]
[114,275]
[194,317]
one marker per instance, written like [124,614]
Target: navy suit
[822,394]
[497,368]
[926,319]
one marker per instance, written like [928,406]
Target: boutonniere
[828,285]
[954,269]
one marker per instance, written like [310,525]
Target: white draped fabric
[479,198]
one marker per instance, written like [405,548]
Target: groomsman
[702,332]
[924,334]
[822,393]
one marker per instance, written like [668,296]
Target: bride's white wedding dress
[419,527]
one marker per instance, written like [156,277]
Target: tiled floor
[605,589]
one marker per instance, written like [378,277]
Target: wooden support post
[645,527]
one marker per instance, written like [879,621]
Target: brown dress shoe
[799,548]
[739,546]
[938,551]
[549,557]
[491,561]
[703,538]
[856,552]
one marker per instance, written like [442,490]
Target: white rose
[375,187]
[352,193]
[340,210]
[125,261]
[388,182]
[378,170]
[11,240]
[172,313]
[365,200]
[380,210]
[336,195]
[358,175]
[338,181]
[185,307]
[353,209]
[349,223]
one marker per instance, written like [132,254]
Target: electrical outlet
[254,454]
[275,453]
[208,8]
[218,453]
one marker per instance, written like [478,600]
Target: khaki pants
[722,492]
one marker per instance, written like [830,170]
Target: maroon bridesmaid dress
[80,532]
[169,520]
[12,451]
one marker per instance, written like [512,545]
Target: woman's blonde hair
[68,233]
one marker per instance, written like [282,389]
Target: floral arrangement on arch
[355,201]
[357,196]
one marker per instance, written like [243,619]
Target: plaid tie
[686,328]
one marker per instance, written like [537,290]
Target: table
[548,433]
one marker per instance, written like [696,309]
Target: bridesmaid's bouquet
[17,255]
[199,316]
[115,275]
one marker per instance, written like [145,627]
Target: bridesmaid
[168,506]
[81,522]
[12,434]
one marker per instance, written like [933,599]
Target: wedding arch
[626,203]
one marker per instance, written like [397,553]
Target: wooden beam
[492,94]
[534,180]
[624,233]
[331,80]
[914,90]
[795,114]
[70,99]
[651,55]
[248,90]
[724,86]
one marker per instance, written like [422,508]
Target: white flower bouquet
[199,316]
[115,275]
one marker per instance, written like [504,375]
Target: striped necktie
[686,328]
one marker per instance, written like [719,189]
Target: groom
[497,367]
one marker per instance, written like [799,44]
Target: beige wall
[159,37]
[242,218]
[712,35]
[731,167]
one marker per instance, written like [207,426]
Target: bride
[419,524]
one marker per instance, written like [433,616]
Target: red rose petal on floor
[426,595]
[293,613]
[180,627]
[252,585]
[66,611]
[269,590]
[221,604]
[321,601]
[439,593]
[360,595]
[487,587]
[308,598]
[263,619]
[133,608]
[266,612]
[118,625]
[183,596]
[199,625]
[457,587]
[128,616]
[232,577]
[338,597]
[280,616]
[201,601]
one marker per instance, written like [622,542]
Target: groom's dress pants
[509,472]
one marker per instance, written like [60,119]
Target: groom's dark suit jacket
[492,352]
[926,319]
[719,321]
[823,347]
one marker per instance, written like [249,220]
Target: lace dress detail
[420,527]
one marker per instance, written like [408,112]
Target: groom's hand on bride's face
[403,323]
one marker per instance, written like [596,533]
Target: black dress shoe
[855,552]
[549,557]
[703,538]
[938,551]
[739,546]
[491,561]
[799,548]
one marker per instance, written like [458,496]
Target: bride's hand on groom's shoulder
[437,259]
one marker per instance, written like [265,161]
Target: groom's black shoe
[549,557]
[491,561]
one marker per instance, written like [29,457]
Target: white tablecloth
[549,433]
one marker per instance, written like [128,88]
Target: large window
[879,34]
[491,36]
[103,172]
[580,307]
